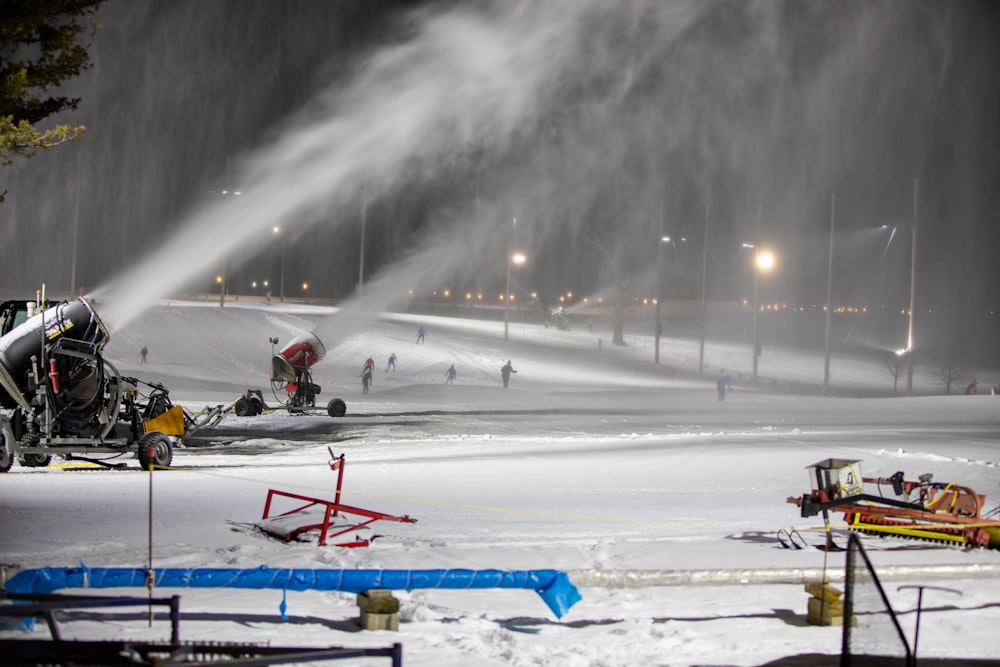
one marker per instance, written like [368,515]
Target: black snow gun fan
[291,374]
[61,397]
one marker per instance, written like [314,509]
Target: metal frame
[333,509]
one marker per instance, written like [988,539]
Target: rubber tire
[163,450]
[336,407]
[6,454]
[243,407]
[34,460]
[257,405]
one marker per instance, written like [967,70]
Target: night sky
[599,127]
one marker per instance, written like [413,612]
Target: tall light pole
[221,279]
[515,258]
[704,301]
[659,296]
[284,246]
[659,292]
[913,292]
[361,263]
[761,260]
[829,291]
[913,284]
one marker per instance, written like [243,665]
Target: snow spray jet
[430,263]
[463,75]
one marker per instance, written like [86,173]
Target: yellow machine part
[905,531]
[994,532]
[170,422]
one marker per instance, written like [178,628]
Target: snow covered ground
[591,460]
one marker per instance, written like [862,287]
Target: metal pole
[659,288]
[829,290]
[506,295]
[222,286]
[704,302]
[76,225]
[659,295]
[756,306]
[506,300]
[284,247]
[913,293]
[361,263]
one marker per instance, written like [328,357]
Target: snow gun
[61,397]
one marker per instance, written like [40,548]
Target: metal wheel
[156,449]
[243,407]
[6,453]
[336,407]
[34,460]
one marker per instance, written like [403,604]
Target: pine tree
[42,44]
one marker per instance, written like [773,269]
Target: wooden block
[824,619]
[835,608]
[823,592]
[378,601]
[369,621]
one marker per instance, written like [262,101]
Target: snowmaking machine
[291,381]
[922,510]
[59,396]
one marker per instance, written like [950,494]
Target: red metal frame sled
[333,509]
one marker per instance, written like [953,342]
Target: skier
[725,382]
[971,389]
[392,363]
[450,375]
[142,354]
[421,333]
[505,373]
[366,380]
[369,364]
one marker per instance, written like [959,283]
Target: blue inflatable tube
[554,586]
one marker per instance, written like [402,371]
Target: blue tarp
[554,586]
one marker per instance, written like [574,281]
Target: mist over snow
[428,128]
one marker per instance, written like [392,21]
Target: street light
[659,292]
[829,291]
[284,246]
[515,258]
[912,225]
[761,261]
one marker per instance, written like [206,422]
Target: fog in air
[406,148]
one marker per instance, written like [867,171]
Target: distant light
[765,261]
[266,283]
[468,296]
[218,279]
[518,258]
[277,229]
[254,284]
[305,286]
[447,293]
[569,295]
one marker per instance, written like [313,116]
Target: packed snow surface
[594,459]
